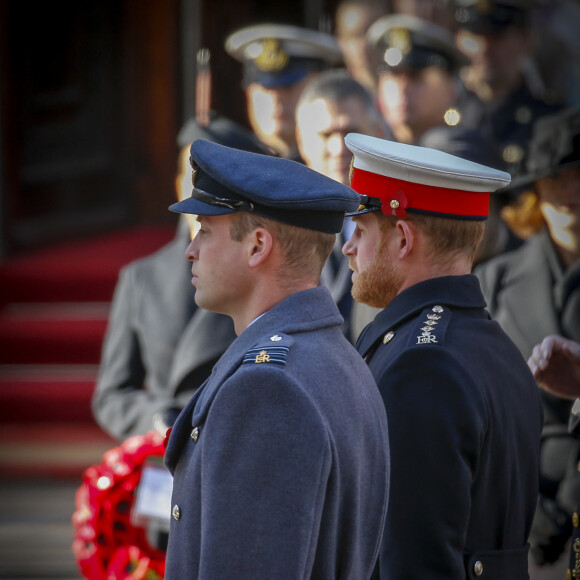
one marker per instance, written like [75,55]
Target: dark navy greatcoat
[280,461]
[464,427]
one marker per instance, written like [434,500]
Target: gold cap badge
[272,58]
[400,38]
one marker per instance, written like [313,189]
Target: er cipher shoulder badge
[274,353]
[428,330]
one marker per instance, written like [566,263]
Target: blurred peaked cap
[554,146]
[488,16]
[397,178]
[280,54]
[409,42]
[221,130]
[227,180]
[464,142]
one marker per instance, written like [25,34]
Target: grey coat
[281,469]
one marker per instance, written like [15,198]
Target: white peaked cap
[422,180]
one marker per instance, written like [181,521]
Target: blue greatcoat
[281,461]
[464,428]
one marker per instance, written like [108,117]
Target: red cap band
[398,195]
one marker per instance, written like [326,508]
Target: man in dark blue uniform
[279,60]
[497,36]
[463,408]
[280,460]
[418,87]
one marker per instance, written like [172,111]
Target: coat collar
[304,311]
[455,291]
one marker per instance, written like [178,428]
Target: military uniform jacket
[280,461]
[159,347]
[464,429]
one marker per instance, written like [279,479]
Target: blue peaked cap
[226,180]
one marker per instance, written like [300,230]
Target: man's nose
[191,250]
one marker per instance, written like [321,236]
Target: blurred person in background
[278,61]
[353,18]
[419,86]
[331,106]
[498,38]
[534,292]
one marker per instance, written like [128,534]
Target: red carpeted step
[52,333]
[47,394]
[83,270]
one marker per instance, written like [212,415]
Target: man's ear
[406,238]
[260,243]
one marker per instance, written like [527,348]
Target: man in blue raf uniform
[280,460]
[463,408]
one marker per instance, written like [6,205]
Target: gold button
[568,574]
[195,434]
[176,512]
[478,568]
[394,204]
[575,520]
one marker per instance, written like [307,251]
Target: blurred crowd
[494,82]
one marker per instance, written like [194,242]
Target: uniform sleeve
[121,404]
[266,460]
[437,423]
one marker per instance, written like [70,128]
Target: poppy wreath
[107,544]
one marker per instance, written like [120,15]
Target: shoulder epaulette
[431,326]
[273,350]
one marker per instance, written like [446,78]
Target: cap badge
[272,57]
[400,38]
[276,338]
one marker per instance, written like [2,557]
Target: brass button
[568,574]
[195,434]
[176,512]
[478,568]
[575,520]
